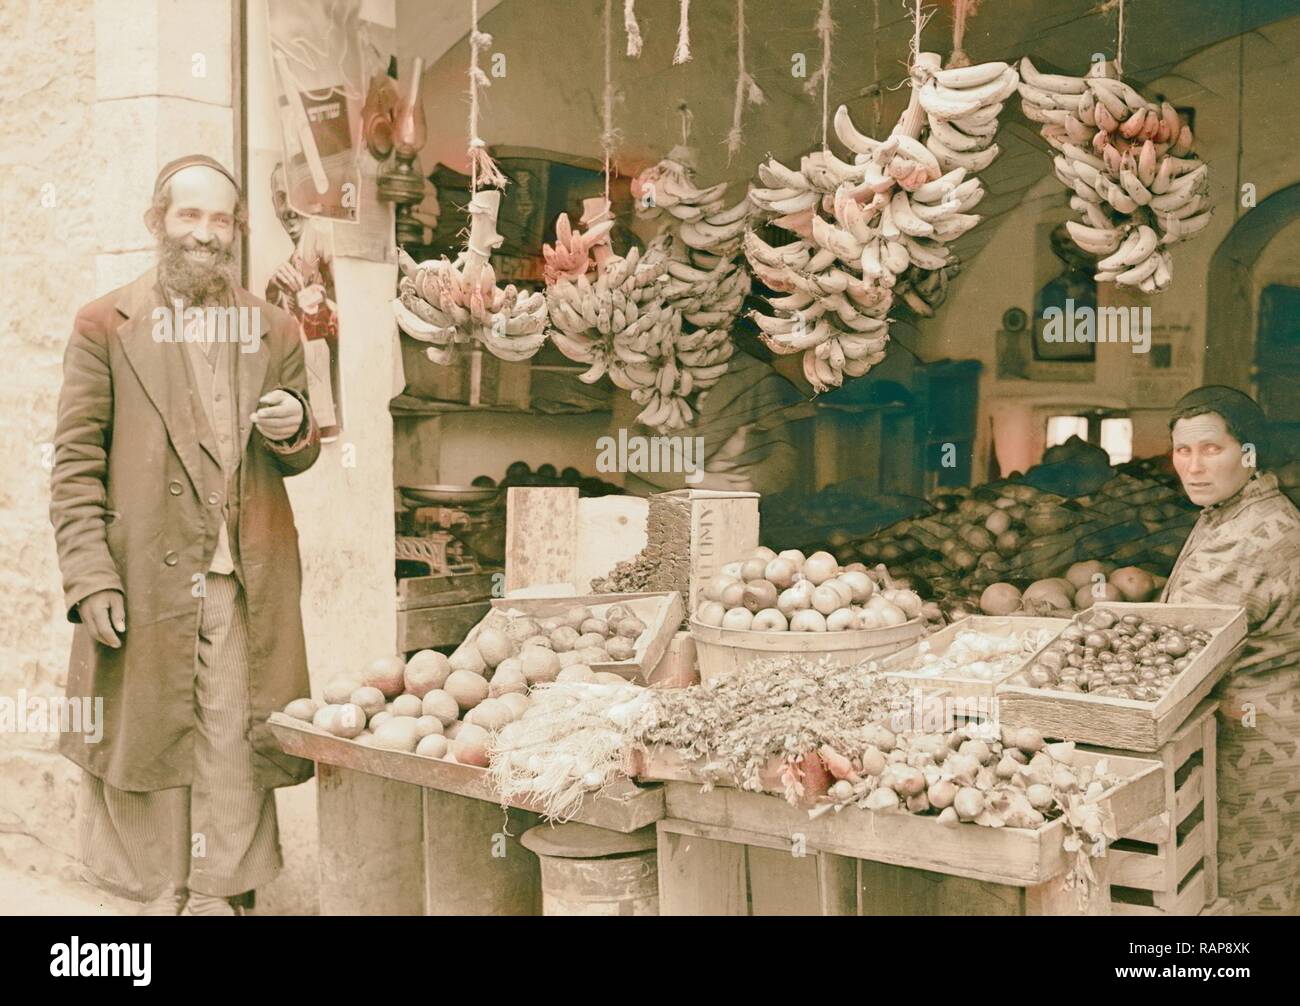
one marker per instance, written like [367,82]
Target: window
[1112,434]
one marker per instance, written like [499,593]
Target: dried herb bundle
[782,707]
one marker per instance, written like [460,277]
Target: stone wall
[94,96]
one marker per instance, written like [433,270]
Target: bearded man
[180,558]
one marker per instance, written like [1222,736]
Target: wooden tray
[724,651]
[939,642]
[1127,723]
[1021,857]
[623,806]
[661,612]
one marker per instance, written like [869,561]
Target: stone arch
[1230,319]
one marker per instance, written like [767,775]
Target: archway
[1231,314]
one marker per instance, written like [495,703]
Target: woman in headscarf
[1245,550]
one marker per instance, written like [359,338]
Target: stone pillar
[164,87]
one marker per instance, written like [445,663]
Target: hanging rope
[822,78]
[961,11]
[747,89]
[608,135]
[1105,8]
[688,122]
[482,169]
[632,28]
[683,53]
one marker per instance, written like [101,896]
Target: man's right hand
[288,276]
[103,612]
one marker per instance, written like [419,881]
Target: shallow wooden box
[1019,857]
[623,806]
[1125,723]
[939,642]
[725,651]
[661,612]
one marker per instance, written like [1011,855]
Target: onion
[795,556]
[820,567]
[826,599]
[711,613]
[968,803]
[737,618]
[733,594]
[752,569]
[840,620]
[808,620]
[859,584]
[770,620]
[780,572]
[882,799]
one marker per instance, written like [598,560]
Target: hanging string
[683,53]
[632,28]
[608,136]
[1119,45]
[1105,8]
[747,89]
[822,78]
[877,102]
[961,11]
[482,169]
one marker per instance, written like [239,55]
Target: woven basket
[1259,793]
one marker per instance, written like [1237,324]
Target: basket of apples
[781,604]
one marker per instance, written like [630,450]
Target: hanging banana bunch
[1129,164]
[699,244]
[608,310]
[450,303]
[879,228]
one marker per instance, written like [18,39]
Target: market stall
[714,518]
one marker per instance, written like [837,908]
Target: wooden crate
[1016,856]
[661,613]
[871,864]
[1169,865]
[726,651]
[938,643]
[1125,724]
[707,870]
[437,611]
[622,807]
[1219,906]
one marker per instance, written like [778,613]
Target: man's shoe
[170,902]
[208,904]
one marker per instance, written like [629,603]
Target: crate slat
[623,807]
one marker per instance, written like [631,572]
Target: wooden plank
[896,890]
[781,883]
[541,535]
[837,881]
[1007,855]
[442,591]
[1210,801]
[1189,794]
[371,844]
[724,528]
[1152,871]
[1189,900]
[896,664]
[428,628]
[622,806]
[700,876]
[474,863]
[677,668]
[1054,898]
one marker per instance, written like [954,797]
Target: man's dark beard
[195,283]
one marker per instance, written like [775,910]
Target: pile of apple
[791,592]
